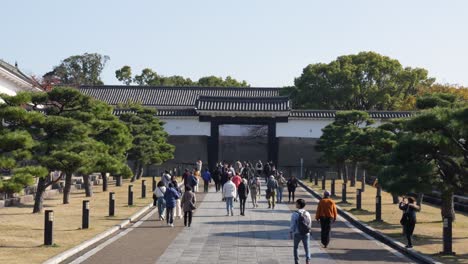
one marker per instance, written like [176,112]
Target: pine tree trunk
[363,181]
[39,196]
[104,181]
[354,175]
[67,188]
[395,198]
[447,208]
[136,169]
[419,200]
[140,172]
[346,175]
[87,186]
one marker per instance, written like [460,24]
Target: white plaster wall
[7,87]
[187,127]
[302,128]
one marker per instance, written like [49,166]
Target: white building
[12,80]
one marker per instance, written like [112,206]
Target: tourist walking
[178,209]
[243,191]
[292,185]
[224,175]
[237,180]
[229,193]
[254,187]
[408,219]
[326,214]
[160,202]
[166,178]
[217,178]
[192,182]
[185,177]
[299,230]
[171,195]
[199,164]
[206,179]
[188,205]
[272,186]
[281,184]
[259,168]
[267,171]
[197,174]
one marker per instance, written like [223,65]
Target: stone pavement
[259,237]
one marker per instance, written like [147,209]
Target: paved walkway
[259,237]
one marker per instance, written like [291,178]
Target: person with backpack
[292,185]
[326,214]
[243,191]
[160,202]
[171,195]
[254,187]
[281,184]
[270,193]
[299,230]
[192,182]
[188,205]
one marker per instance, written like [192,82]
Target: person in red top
[237,180]
[326,213]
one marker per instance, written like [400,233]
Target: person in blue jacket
[171,195]
[206,179]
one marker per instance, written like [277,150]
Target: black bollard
[316,178]
[154,183]
[343,193]
[48,227]
[333,194]
[310,176]
[130,195]
[111,204]
[324,179]
[378,208]
[143,189]
[358,199]
[85,215]
[118,180]
[447,237]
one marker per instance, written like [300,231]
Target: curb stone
[66,254]
[420,258]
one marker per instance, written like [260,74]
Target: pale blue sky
[265,42]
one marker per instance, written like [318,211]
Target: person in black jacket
[217,177]
[409,208]
[292,185]
[243,191]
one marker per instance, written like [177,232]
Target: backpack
[193,181]
[302,224]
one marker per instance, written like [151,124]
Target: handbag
[192,206]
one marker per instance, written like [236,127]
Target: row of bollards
[49,214]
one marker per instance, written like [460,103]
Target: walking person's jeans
[229,205]
[161,206]
[305,241]
[271,201]
[325,225]
[170,215]
[242,205]
[279,195]
[253,195]
[188,218]
[291,192]
[206,186]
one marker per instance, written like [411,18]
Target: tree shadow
[253,222]
[356,211]
[282,234]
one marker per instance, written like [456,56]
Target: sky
[265,42]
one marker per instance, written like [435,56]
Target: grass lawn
[21,232]
[428,231]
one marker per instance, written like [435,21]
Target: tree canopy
[150,77]
[364,81]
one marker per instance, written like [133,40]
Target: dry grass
[428,232]
[21,232]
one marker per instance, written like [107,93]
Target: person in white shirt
[300,230]
[166,178]
[229,193]
[161,203]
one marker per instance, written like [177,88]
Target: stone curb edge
[66,254]
[420,258]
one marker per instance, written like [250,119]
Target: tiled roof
[164,112]
[331,114]
[263,104]
[169,96]
[15,71]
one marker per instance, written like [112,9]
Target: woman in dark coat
[292,185]
[409,208]
[188,204]
[171,195]
[243,191]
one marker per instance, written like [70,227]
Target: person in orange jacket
[326,214]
